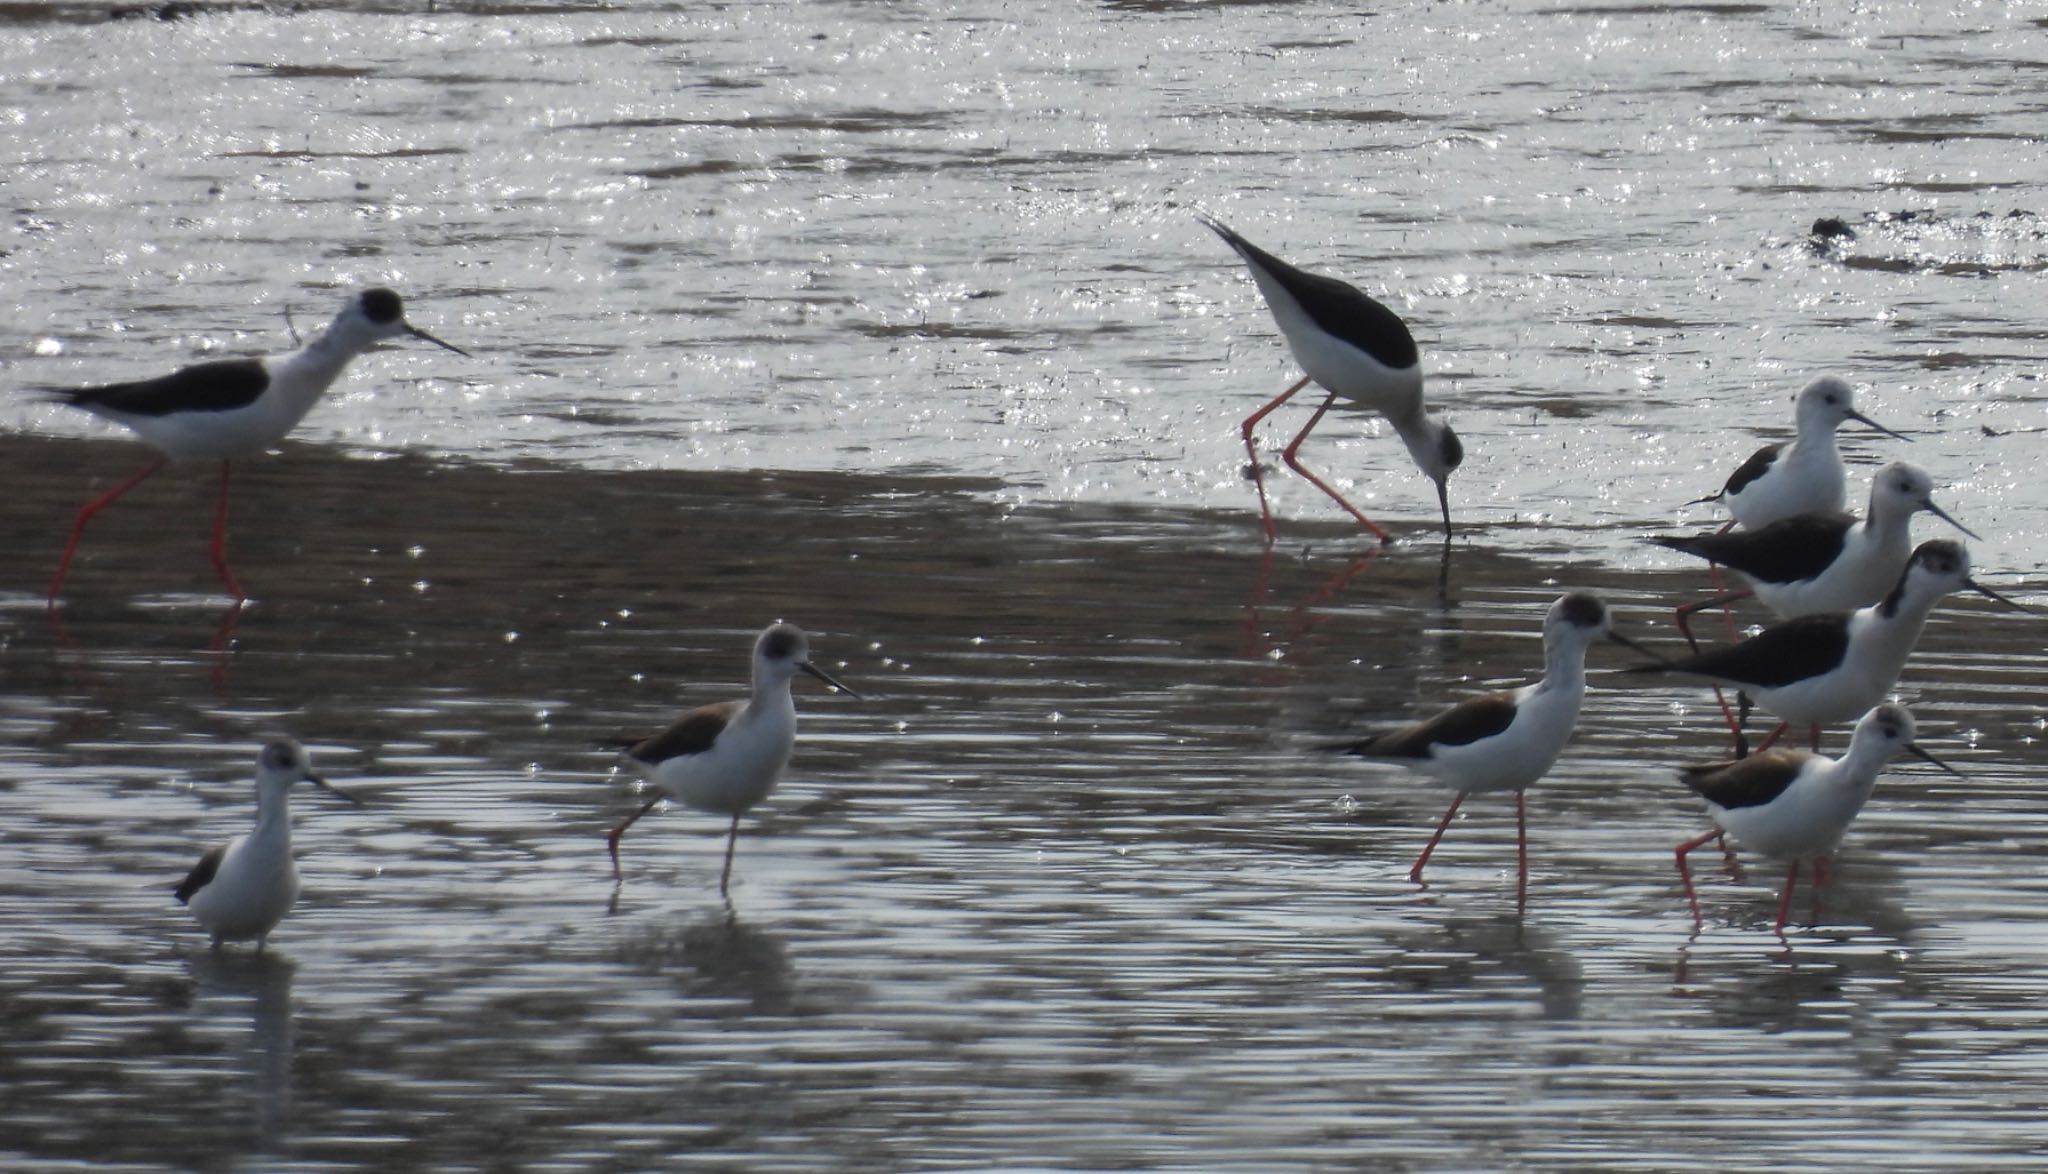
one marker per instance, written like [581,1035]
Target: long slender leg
[1288,456]
[732,841]
[1772,737]
[1684,616]
[612,839]
[1743,708]
[1728,860]
[219,550]
[86,514]
[1814,733]
[1734,723]
[1252,450]
[1415,873]
[1721,586]
[1785,904]
[1685,611]
[1685,874]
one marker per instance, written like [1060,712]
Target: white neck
[1888,528]
[273,812]
[1423,437]
[1412,424]
[1865,756]
[307,372]
[1815,445]
[772,688]
[1889,639]
[1564,662]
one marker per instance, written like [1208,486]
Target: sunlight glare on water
[896,321]
[959,238]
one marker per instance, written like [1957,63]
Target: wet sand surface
[1069,888]
[895,321]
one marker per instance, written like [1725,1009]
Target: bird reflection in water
[232,983]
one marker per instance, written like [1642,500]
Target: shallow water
[893,321]
[959,238]
[1066,889]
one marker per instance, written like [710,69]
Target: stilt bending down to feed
[1355,349]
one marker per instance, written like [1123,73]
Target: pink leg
[1251,450]
[1288,455]
[1772,737]
[1415,873]
[86,515]
[1785,904]
[1720,600]
[1728,860]
[1721,584]
[1684,617]
[732,841]
[1734,723]
[219,549]
[1721,587]
[1685,874]
[612,839]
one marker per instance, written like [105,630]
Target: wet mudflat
[1068,889]
[895,321]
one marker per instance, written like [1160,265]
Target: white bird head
[1889,729]
[784,651]
[1823,405]
[1903,489]
[284,762]
[1938,566]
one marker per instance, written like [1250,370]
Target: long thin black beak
[1627,643]
[1867,422]
[1938,512]
[1988,593]
[826,677]
[1924,756]
[416,332]
[1443,498]
[333,790]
